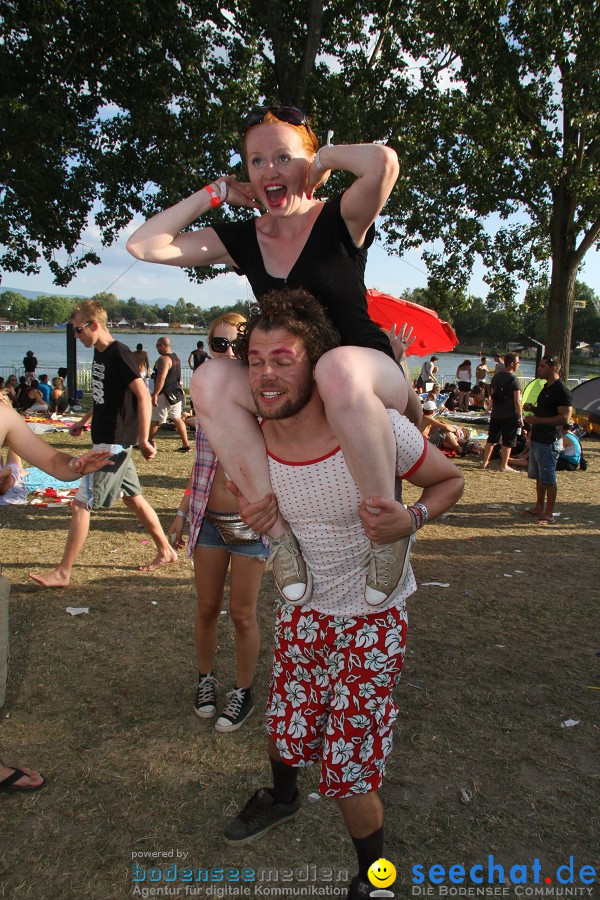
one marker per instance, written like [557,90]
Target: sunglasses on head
[220,345]
[551,360]
[290,114]
[79,328]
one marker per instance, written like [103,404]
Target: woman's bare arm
[376,169]
[162,238]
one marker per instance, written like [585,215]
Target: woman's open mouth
[276,194]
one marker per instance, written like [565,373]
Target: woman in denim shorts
[219,539]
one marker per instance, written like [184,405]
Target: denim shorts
[542,461]
[209,536]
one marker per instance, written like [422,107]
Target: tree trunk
[565,265]
[294,63]
[561,306]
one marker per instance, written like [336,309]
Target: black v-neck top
[329,266]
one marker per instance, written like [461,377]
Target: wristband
[187,492]
[216,198]
[317,161]
[183,515]
[419,515]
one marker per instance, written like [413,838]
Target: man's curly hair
[299,313]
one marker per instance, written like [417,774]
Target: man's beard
[292,405]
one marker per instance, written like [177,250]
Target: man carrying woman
[299,241]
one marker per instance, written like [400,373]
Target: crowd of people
[317,487]
[33,395]
[540,438]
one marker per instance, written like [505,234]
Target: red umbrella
[432,333]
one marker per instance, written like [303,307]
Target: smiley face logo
[382,873]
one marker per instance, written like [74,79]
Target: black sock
[285,779]
[368,851]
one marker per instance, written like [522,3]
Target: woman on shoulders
[299,241]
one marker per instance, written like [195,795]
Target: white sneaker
[293,579]
[388,565]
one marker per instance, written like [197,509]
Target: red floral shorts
[331,698]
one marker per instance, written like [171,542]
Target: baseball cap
[430,405]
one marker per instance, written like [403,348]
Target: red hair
[305,133]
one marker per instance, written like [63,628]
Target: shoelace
[288,565]
[381,558]
[254,809]
[235,699]
[206,690]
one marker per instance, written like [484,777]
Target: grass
[102,703]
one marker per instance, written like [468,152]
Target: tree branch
[589,239]
[313,39]
[382,33]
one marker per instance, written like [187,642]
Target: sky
[120,274]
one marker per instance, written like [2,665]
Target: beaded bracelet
[419,515]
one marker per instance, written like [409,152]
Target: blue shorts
[542,461]
[209,536]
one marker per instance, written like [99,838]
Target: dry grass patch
[102,703]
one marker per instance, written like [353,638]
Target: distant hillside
[31,295]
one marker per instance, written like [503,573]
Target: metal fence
[84,377]
[451,379]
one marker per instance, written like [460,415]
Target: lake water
[50,350]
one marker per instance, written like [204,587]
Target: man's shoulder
[563,393]
[119,347]
[120,358]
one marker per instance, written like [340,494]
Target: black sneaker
[183,449]
[359,889]
[260,814]
[239,706]
[205,704]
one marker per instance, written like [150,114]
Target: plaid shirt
[203,476]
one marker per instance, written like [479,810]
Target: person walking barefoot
[120,418]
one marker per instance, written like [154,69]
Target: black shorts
[464,385]
[505,427]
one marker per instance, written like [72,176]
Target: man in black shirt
[507,414]
[198,356]
[168,397]
[120,418]
[30,365]
[552,410]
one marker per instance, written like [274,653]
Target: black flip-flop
[8,785]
